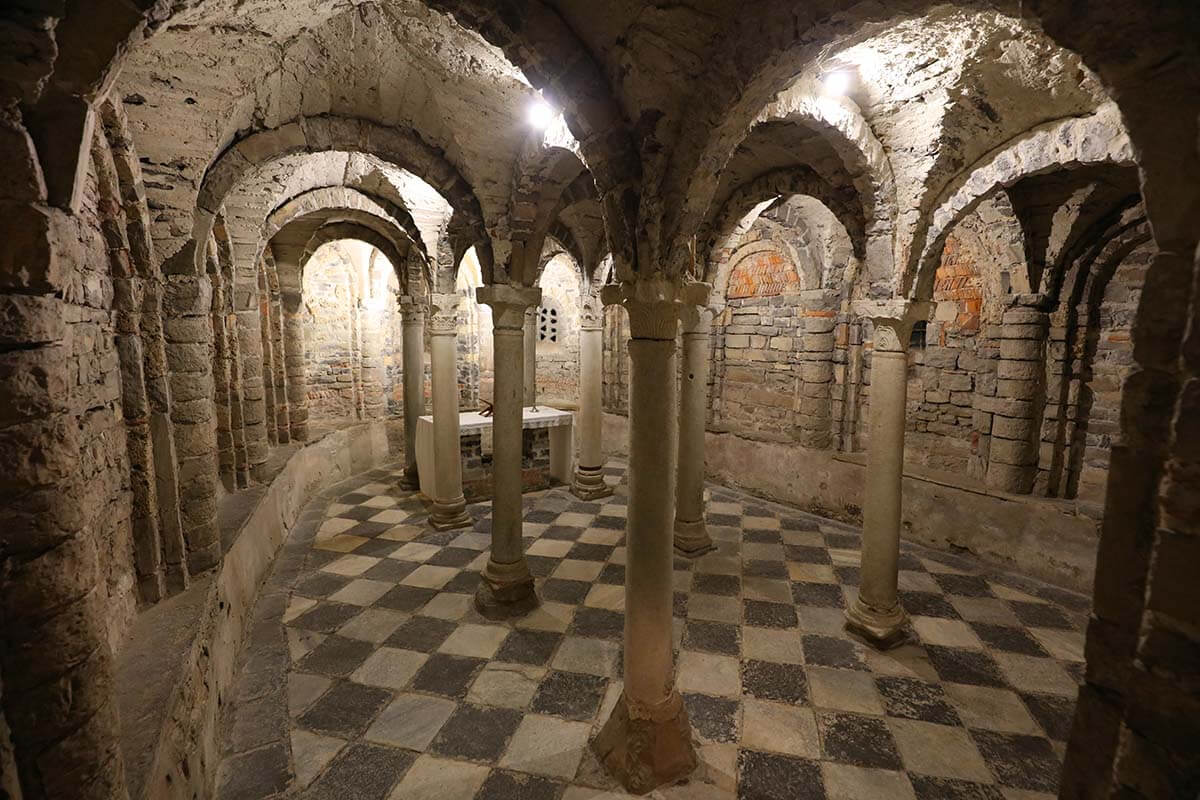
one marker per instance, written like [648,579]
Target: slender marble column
[293,360]
[691,534]
[588,483]
[449,505]
[412,321]
[877,614]
[506,587]
[647,741]
[530,369]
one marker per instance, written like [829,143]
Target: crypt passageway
[441,399]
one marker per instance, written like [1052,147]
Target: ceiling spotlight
[837,83]
[541,114]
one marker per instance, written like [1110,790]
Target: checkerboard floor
[370,675]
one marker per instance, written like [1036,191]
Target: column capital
[509,304]
[443,313]
[893,321]
[697,317]
[654,304]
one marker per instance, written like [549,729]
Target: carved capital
[443,313]
[695,314]
[591,316]
[653,305]
[509,304]
[893,321]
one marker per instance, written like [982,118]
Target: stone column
[506,586]
[449,505]
[647,741]
[412,320]
[876,614]
[293,360]
[588,483]
[1020,396]
[691,534]
[283,412]
[254,408]
[530,369]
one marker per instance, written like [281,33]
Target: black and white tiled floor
[369,674]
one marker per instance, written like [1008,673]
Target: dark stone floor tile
[709,583]
[830,651]
[768,680]
[714,718]
[541,517]
[826,595]
[320,584]
[326,617]
[609,523]
[806,554]
[590,552]
[613,574]
[909,562]
[447,675]
[599,623]
[1009,639]
[465,582]
[439,538]
[453,557]
[359,513]
[848,576]
[482,525]
[1079,603]
[354,498]
[712,637]
[799,524]
[764,569]
[859,740]
[255,775]
[560,590]
[762,614]
[1019,761]
[762,536]
[502,784]
[584,507]
[346,710]
[1054,713]
[362,772]
[569,694]
[965,585]
[541,566]
[390,570]
[679,604]
[844,541]
[724,520]
[929,788]
[528,647]
[370,530]
[769,776]
[566,533]
[752,510]
[911,698]
[1041,615]
[378,548]
[319,558]
[337,656]
[423,634]
[405,598]
[955,665]
[928,604]
[476,733]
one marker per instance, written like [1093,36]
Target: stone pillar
[647,741]
[1020,395]
[412,320]
[254,408]
[283,411]
[293,359]
[876,614]
[449,505]
[588,483]
[268,359]
[691,534]
[506,586]
[530,369]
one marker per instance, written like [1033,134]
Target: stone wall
[557,328]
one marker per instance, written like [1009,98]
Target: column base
[589,484]
[451,515]
[506,590]
[411,480]
[883,630]
[691,539]
[645,748]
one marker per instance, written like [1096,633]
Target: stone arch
[324,133]
[359,231]
[543,176]
[1065,144]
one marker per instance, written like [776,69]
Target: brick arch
[722,279]
[735,218]
[1064,144]
[398,146]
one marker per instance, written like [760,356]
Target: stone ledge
[175,673]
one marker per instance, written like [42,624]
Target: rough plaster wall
[558,362]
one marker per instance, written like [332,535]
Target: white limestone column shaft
[449,505]
[588,482]
[412,321]
[691,534]
[506,574]
[877,614]
[530,359]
